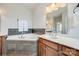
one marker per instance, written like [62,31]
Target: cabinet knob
[70,53]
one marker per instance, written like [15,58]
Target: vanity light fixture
[54,6]
[51,7]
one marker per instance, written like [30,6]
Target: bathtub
[26,37]
[27,43]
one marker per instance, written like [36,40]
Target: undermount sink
[51,36]
[57,37]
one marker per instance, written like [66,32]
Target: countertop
[3,34]
[70,42]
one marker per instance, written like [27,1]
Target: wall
[11,14]
[65,20]
[39,17]
[73,22]
[71,16]
[4,28]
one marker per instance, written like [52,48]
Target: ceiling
[27,5]
[30,6]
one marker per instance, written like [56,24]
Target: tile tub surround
[20,53]
[27,45]
[21,48]
[14,31]
[38,30]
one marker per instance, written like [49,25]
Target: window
[22,25]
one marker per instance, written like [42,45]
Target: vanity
[57,47]
[2,44]
[60,21]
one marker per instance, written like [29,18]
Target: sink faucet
[55,34]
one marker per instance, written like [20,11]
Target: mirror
[64,21]
[57,24]
[57,21]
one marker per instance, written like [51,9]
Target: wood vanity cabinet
[50,48]
[46,48]
[51,52]
[2,45]
[41,49]
[69,51]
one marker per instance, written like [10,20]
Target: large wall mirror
[57,20]
[64,20]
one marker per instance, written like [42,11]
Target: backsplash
[39,31]
[14,31]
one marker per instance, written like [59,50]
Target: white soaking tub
[26,37]
[25,44]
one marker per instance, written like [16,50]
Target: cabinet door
[69,51]
[41,49]
[51,52]
[0,46]
[3,45]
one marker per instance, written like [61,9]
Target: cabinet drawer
[51,44]
[0,41]
[41,40]
[0,44]
[51,52]
[73,52]
[0,53]
[0,47]
[69,51]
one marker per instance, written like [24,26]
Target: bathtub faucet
[22,35]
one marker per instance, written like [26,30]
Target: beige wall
[10,15]
[39,17]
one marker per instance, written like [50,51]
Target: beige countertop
[2,34]
[70,42]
